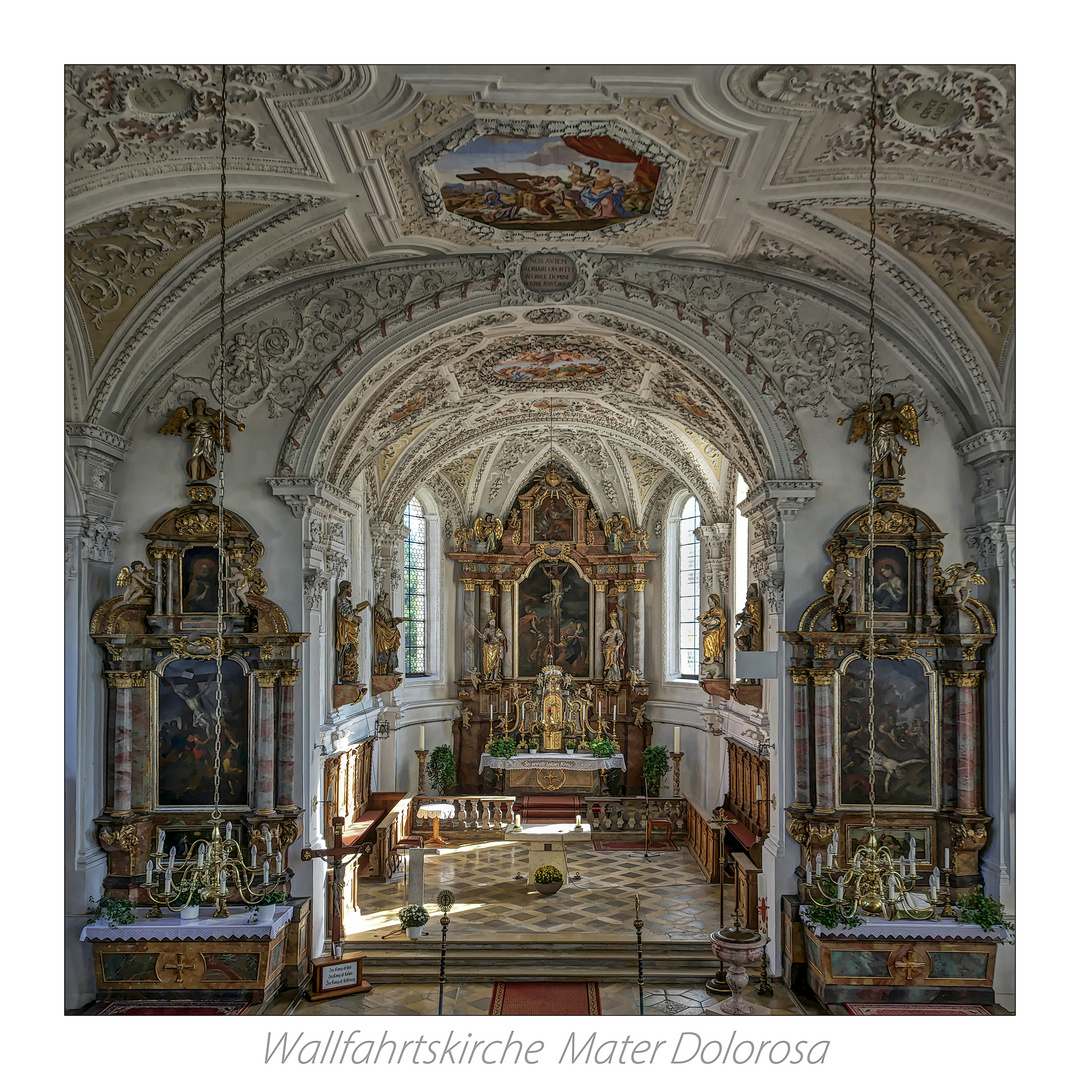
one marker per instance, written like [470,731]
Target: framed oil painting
[199,581]
[184,723]
[890,575]
[553,520]
[553,607]
[905,725]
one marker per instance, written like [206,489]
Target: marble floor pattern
[677,904]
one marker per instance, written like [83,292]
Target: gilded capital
[288,678]
[266,679]
[127,680]
[799,676]
[821,678]
[639,586]
[966,679]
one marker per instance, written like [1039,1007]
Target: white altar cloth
[170,927]
[569,762]
[906,930]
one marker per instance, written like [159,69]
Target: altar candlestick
[677,741]
[946,858]
[421,737]
[149,873]
[254,857]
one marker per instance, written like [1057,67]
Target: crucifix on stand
[334,976]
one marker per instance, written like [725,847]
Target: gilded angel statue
[488,530]
[205,430]
[883,425]
[619,532]
[137,581]
[840,581]
[959,579]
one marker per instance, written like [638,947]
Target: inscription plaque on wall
[929,109]
[548,272]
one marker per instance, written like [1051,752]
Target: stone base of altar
[898,961]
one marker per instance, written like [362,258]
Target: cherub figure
[840,581]
[466,719]
[883,424]
[959,579]
[137,582]
[205,429]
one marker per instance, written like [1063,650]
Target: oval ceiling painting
[556,182]
[543,369]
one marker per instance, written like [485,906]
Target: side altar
[553,632]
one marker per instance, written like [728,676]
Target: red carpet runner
[919,1010]
[634,845]
[545,999]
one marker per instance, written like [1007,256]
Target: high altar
[557,649]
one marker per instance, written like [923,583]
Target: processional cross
[336,858]
[762,910]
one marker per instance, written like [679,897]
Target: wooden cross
[516,180]
[909,964]
[335,857]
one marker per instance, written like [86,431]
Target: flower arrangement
[111,910]
[602,748]
[570,746]
[547,875]
[501,747]
[412,915]
[533,745]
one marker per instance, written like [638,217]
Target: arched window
[689,588]
[416,589]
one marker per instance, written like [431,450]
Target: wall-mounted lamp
[382,728]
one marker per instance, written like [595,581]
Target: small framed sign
[334,978]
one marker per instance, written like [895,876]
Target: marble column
[468,634]
[170,599]
[123,682]
[286,747]
[968,748]
[637,642]
[599,625]
[506,623]
[264,745]
[157,553]
[823,740]
[802,740]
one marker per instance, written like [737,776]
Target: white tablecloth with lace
[170,927]
[569,762]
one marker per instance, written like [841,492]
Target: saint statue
[613,641]
[748,632]
[713,623]
[387,636]
[883,424]
[493,649]
[347,634]
[205,429]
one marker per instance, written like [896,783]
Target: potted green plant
[602,748]
[412,918]
[264,910]
[655,765]
[570,746]
[111,911]
[189,898]
[984,911]
[533,746]
[547,879]
[501,747]
[441,769]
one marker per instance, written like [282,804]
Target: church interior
[539,540]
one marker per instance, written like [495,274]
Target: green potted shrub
[655,765]
[533,746]
[189,899]
[501,747]
[111,911]
[441,769]
[412,918]
[984,911]
[264,909]
[602,748]
[570,746]
[547,879]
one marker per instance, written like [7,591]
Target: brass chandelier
[210,872]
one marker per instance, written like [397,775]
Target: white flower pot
[266,914]
[190,912]
[414,932]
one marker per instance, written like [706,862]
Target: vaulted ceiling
[375,290]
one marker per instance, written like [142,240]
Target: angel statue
[462,536]
[204,429]
[137,582]
[959,579]
[713,623]
[883,424]
[619,532]
[840,581]
[488,530]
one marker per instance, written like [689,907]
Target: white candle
[933,889]
[892,889]
[809,874]
[911,852]
[840,891]
[266,873]
[266,837]
[277,862]
[946,858]
[491,713]
[421,736]
[902,871]
[817,864]
[577,819]
[676,740]
[228,830]
[517,821]
[201,853]
[254,857]
[168,881]
[836,841]
[160,840]
[172,857]
[829,857]
[149,873]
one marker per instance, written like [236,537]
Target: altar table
[174,957]
[570,774]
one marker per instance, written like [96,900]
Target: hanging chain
[222,436]
[871,761]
